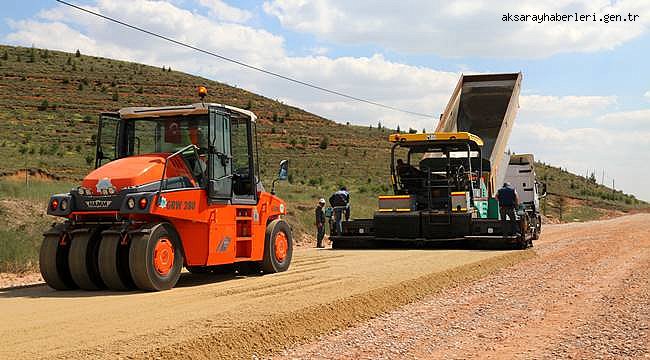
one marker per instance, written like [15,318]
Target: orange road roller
[172,187]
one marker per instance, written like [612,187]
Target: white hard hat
[321,201]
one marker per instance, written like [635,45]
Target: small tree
[398,130]
[140,90]
[69,61]
[249,105]
[293,142]
[324,142]
[80,87]
[43,106]
[275,117]
[32,55]
[78,53]
[592,178]
[89,159]
[412,131]
[5,56]
[115,95]
[379,125]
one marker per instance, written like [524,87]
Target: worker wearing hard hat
[320,223]
[508,201]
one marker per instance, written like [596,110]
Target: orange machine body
[173,187]
[211,234]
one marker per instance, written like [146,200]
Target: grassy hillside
[49,102]
[577,198]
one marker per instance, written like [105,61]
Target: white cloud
[627,120]
[103,38]
[225,12]
[319,51]
[647,95]
[564,107]
[463,28]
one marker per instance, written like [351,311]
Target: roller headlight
[130,203]
[64,205]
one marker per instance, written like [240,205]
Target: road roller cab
[172,187]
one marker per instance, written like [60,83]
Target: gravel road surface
[586,295]
[210,316]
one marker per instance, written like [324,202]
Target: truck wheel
[83,257]
[53,261]
[113,263]
[156,259]
[535,233]
[278,247]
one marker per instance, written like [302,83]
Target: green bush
[43,106]
[324,142]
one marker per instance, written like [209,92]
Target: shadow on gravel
[483,245]
[186,280]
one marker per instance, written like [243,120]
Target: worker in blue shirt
[340,201]
[508,202]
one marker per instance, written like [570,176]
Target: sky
[585,100]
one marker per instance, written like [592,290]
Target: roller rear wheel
[278,247]
[53,261]
[156,259]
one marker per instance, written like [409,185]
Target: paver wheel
[278,247]
[53,260]
[156,259]
[83,259]
[113,262]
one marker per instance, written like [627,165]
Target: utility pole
[602,182]
[613,188]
